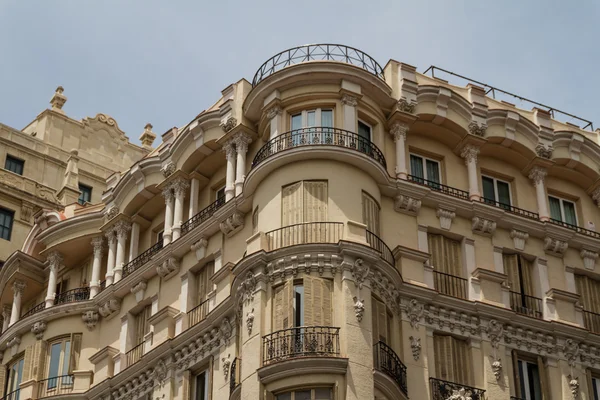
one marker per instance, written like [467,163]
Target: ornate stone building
[55,166]
[333,229]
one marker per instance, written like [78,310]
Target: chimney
[147,137]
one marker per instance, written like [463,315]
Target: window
[142,326]
[306,302]
[159,236]
[310,119]
[220,193]
[306,394]
[86,194]
[13,164]
[423,169]
[298,305]
[452,359]
[255,220]
[370,211]
[446,259]
[6,223]
[589,290]
[382,321]
[364,130]
[519,271]
[595,388]
[15,376]
[496,191]
[63,356]
[203,282]
[201,386]
[562,210]
[530,380]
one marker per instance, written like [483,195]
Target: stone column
[110,262]
[349,111]
[167,233]
[122,229]
[6,309]
[95,281]
[55,260]
[274,114]
[538,176]
[17,287]
[134,241]
[180,186]
[230,176]
[241,145]
[398,132]
[469,153]
[194,192]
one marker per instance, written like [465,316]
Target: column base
[401,175]
[49,301]
[239,186]
[176,234]
[475,197]
[544,219]
[229,193]
[94,289]
[167,235]
[109,278]
[118,274]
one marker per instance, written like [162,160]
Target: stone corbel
[555,247]
[38,329]
[90,319]
[200,248]
[477,129]
[441,105]
[544,151]
[232,224]
[589,258]
[138,290]
[446,217]
[519,238]
[406,204]
[483,226]
[168,268]
[110,308]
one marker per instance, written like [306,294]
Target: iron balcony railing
[449,190]
[444,390]
[235,375]
[197,314]
[309,232]
[142,258]
[512,209]
[135,354]
[379,245]
[388,362]
[303,341]
[73,296]
[35,309]
[318,52]
[575,228]
[591,321]
[525,304]
[319,136]
[451,285]
[202,216]
[14,395]
[55,386]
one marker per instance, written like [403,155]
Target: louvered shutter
[527,276]
[39,365]
[3,370]
[382,322]
[516,373]
[309,301]
[543,378]
[511,269]
[327,286]
[370,213]
[27,364]
[291,207]
[315,201]
[462,361]
[283,316]
[442,346]
[75,351]
[434,243]
[374,320]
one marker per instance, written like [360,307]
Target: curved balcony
[35,309]
[299,342]
[318,52]
[388,362]
[72,296]
[443,390]
[142,258]
[308,232]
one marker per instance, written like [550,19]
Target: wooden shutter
[3,370]
[327,286]
[374,322]
[291,204]
[434,243]
[317,301]
[315,201]
[39,363]
[462,361]
[511,269]
[516,373]
[380,321]
[283,312]
[310,312]
[75,351]
[203,281]
[442,347]
[590,383]
[527,276]
[543,378]
[452,256]
[370,213]
[27,364]
[589,290]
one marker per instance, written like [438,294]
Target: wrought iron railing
[202,216]
[451,285]
[142,258]
[73,295]
[309,232]
[575,228]
[35,309]
[444,390]
[319,136]
[591,321]
[55,386]
[304,341]
[235,374]
[525,304]
[449,190]
[388,362]
[379,245]
[197,314]
[318,52]
[512,209]
[14,395]
[135,354]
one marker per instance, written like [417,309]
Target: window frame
[523,373]
[9,228]
[368,125]
[495,183]
[292,393]
[206,394]
[595,389]
[424,162]
[19,362]
[220,189]
[84,189]
[562,208]
[318,117]
[17,161]
[62,362]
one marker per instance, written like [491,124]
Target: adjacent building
[333,229]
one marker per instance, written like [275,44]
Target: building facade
[333,229]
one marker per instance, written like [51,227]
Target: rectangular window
[304,201]
[142,326]
[364,130]
[86,194]
[520,279]
[306,394]
[530,379]
[203,282]
[452,359]
[201,386]
[15,376]
[320,117]
[303,303]
[596,388]
[425,170]
[220,193]
[159,236]
[370,213]
[6,223]
[562,210]
[496,192]
[14,164]
[63,356]
[298,305]
[446,259]
[381,319]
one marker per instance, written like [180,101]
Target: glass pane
[503,192]
[311,119]
[322,394]
[303,395]
[569,208]
[489,193]
[66,358]
[201,387]
[596,389]
[416,166]
[433,171]
[296,121]
[284,396]
[54,364]
[534,382]
[299,306]
[554,208]
[327,118]
[364,130]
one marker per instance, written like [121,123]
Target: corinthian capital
[349,100]
[398,131]
[537,175]
[470,153]
[55,259]
[110,237]
[241,142]
[18,287]
[122,228]
[229,149]
[596,195]
[97,243]
[180,187]
[168,194]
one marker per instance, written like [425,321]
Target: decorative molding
[537,175]
[449,320]
[226,364]
[398,131]
[18,287]
[483,226]
[532,341]
[200,248]
[274,111]
[544,151]
[407,204]
[589,258]
[573,386]
[138,290]
[112,212]
[415,345]
[405,106]
[496,367]
[109,308]
[197,349]
[349,100]
[477,129]
[494,332]
[596,195]
[242,140]
[232,224]
[469,153]
[13,344]
[38,329]
[180,187]
[359,308]
[26,211]
[250,321]
[168,268]
[225,330]
[247,287]
[414,312]
[555,247]
[229,124]
[519,238]
[446,217]
[122,229]
[360,272]
[90,319]
[168,169]
[161,371]
[570,350]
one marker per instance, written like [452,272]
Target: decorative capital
[555,246]
[544,151]
[97,243]
[229,149]
[180,187]
[241,142]
[168,169]
[274,111]
[596,195]
[470,153]
[55,259]
[168,194]
[483,226]
[537,175]
[168,267]
[477,129]
[349,100]
[398,131]
[122,228]
[111,237]
[405,106]
[407,204]
[18,287]
[112,212]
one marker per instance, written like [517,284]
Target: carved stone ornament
[226,364]
[38,329]
[250,321]
[274,111]
[229,124]
[248,286]
[589,258]
[571,351]
[160,371]
[408,107]
[112,212]
[555,246]
[14,342]
[360,272]
[483,226]
[138,290]
[469,153]
[200,248]
[573,385]
[477,129]
[497,367]
[414,312]
[168,267]
[168,169]
[407,204]
[226,330]
[446,217]
[544,151]
[460,394]
[519,238]
[349,100]
[415,345]
[110,307]
[359,308]
[537,175]
[495,331]
[232,224]
[90,319]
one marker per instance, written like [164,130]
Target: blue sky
[165,61]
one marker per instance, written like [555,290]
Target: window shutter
[526,273]
[461,361]
[327,291]
[27,364]
[39,364]
[283,316]
[278,308]
[204,284]
[374,321]
[3,380]
[382,322]
[543,378]
[317,302]
[315,201]
[516,373]
[452,257]
[442,346]
[435,249]
[291,207]
[370,213]
[309,301]
[511,269]
[75,351]
[590,383]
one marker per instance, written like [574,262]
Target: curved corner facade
[333,230]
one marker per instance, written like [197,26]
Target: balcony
[450,285]
[14,395]
[527,305]
[202,216]
[591,321]
[56,386]
[448,190]
[235,375]
[319,136]
[72,296]
[512,209]
[197,314]
[317,52]
[386,361]
[575,228]
[300,342]
[379,245]
[35,309]
[444,390]
[142,258]
[309,232]
[134,355]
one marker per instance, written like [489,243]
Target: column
[97,243]
[121,228]
[398,132]
[274,114]
[241,145]
[538,176]
[194,191]
[180,186]
[230,176]
[469,153]
[134,241]
[55,260]
[17,287]
[349,111]
[6,309]
[110,262]
[169,198]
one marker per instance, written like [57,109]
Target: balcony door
[306,302]
[519,271]
[311,119]
[589,290]
[303,213]
[446,260]
[530,379]
[382,322]
[15,376]
[452,359]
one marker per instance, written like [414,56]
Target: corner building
[332,230]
